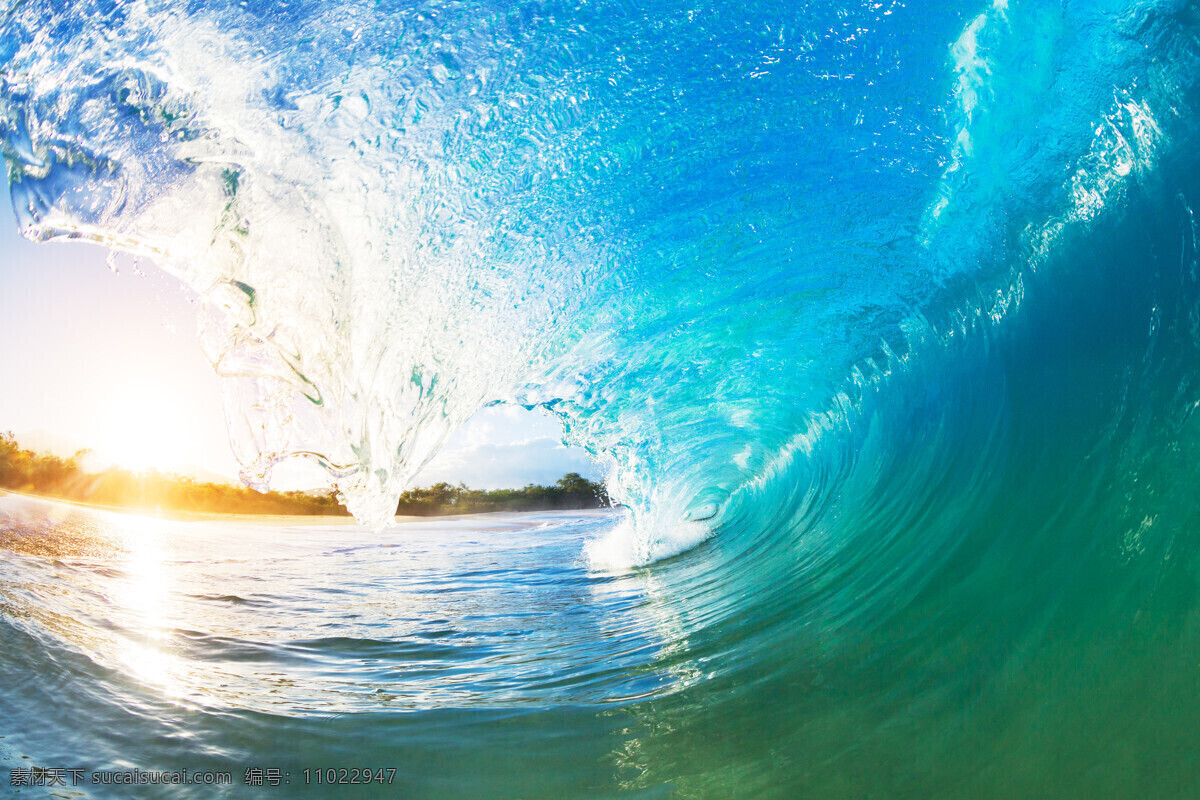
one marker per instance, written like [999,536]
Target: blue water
[137,642]
[884,318]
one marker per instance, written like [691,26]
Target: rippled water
[481,657]
[886,317]
[187,645]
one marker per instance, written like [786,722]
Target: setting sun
[144,427]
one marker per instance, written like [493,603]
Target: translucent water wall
[704,237]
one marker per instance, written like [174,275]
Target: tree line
[24,470]
[571,491]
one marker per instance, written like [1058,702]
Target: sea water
[884,317]
[442,652]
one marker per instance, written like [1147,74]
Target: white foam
[629,545]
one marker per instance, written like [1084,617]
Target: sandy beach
[266,520]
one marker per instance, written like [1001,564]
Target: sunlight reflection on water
[493,610]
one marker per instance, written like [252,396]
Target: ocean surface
[883,318]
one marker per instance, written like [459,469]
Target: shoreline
[266,520]
[185,516]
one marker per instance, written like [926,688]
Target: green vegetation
[571,491]
[26,471]
[40,473]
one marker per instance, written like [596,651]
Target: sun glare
[141,427]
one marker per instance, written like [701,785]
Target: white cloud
[504,447]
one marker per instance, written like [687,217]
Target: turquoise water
[884,319]
[483,657]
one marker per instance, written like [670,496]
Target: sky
[100,351]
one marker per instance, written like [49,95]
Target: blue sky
[100,352]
